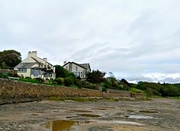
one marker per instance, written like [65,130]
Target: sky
[138,40]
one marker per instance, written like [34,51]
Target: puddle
[68,125]
[63,125]
[69,117]
[81,110]
[34,114]
[60,125]
[89,115]
[148,111]
[99,108]
[140,117]
[55,111]
[127,122]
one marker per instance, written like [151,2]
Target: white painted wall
[25,74]
[76,69]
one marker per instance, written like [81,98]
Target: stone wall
[14,90]
[7,71]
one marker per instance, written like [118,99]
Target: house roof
[40,61]
[85,65]
[45,61]
[24,65]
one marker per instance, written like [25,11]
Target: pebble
[14,127]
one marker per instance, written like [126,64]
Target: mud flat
[159,114]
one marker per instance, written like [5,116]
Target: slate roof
[86,65]
[24,65]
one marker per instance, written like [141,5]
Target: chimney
[64,62]
[45,59]
[32,53]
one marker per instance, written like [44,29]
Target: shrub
[60,80]
[29,80]
[50,82]
[108,84]
[92,86]
[115,84]
[71,75]
[78,83]
[68,81]
[40,80]
[3,75]
[104,89]
[134,90]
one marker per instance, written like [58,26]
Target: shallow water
[140,117]
[60,125]
[67,125]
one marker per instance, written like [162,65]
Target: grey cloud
[170,80]
[137,78]
[126,36]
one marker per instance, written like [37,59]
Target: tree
[9,58]
[125,84]
[60,71]
[96,76]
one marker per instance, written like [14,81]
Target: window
[76,73]
[23,70]
[76,68]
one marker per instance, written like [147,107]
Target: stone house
[35,67]
[79,70]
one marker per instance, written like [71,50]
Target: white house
[80,70]
[35,67]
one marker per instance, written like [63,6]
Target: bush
[108,84]
[84,84]
[40,80]
[4,75]
[104,89]
[78,83]
[134,90]
[170,90]
[92,86]
[70,74]
[60,80]
[68,81]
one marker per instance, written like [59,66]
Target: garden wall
[7,71]
[13,91]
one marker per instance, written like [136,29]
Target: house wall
[42,64]
[25,74]
[88,69]
[77,70]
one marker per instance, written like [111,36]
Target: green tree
[60,71]
[111,82]
[96,76]
[9,58]
[126,85]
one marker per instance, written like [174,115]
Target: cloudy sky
[138,40]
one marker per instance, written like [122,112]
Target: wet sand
[159,114]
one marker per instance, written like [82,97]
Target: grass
[79,99]
[29,80]
[91,99]
[135,90]
[74,86]
[176,98]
